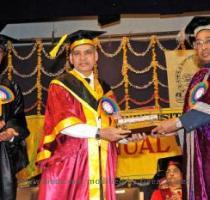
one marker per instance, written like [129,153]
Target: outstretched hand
[165,128]
[113,134]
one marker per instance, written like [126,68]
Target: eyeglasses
[199,43]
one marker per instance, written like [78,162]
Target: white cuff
[202,107]
[81,131]
[178,123]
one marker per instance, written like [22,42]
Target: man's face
[83,57]
[1,54]
[202,46]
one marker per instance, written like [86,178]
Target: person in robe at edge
[173,175]
[13,131]
[196,117]
[76,126]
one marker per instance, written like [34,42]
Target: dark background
[107,10]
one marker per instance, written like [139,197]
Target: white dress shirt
[83,130]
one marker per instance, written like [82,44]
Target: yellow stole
[92,116]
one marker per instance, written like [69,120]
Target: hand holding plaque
[145,120]
[139,124]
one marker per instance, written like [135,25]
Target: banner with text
[139,160]
[181,66]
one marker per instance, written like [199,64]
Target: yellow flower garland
[155,75]
[38,79]
[9,57]
[125,72]
[124,45]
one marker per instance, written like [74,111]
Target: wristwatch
[97,136]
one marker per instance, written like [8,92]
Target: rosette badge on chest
[198,91]
[109,106]
[6,96]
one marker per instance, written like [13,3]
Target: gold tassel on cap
[57,47]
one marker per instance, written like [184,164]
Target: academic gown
[13,156]
[197,142]
[72,168]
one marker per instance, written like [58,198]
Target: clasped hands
[113,134]
[165,128]
[6,134]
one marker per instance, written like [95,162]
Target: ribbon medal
[198,91]
[109,106]
[6,96]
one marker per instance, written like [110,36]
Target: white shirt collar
[91,77]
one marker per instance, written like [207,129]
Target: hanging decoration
[155,75]
[125,82]
[125,73]
[9,56]
[38,79]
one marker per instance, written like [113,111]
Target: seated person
[159,181]
[172,189]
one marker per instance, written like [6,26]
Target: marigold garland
[139,103]
[155,75]
[9,57]
[124,45]
[138,53]
[31,107]
[164,100]
[110,55]
[125,72]
[38,79]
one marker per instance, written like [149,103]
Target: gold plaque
[144,120]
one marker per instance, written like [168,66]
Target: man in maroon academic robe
[196,117]
[78,152]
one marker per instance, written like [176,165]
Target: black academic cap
[77,38]
[83,37]
[197,24]
[164,162]
[4,39]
